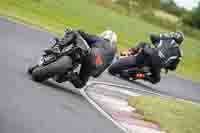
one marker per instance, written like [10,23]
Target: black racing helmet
[179,37]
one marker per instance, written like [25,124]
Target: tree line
[189,18]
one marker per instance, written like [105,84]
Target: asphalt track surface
[30,107]
[170,85]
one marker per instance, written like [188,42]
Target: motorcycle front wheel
[31,68]
[42,73]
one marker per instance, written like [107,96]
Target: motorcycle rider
[100,56]
[166,54]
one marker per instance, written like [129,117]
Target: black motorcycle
[59,64]
[134,73]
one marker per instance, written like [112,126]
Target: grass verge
[173,116]
[56,15]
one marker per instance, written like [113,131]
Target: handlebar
[82,44]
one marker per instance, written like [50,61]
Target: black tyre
[115,68]
[30,69]
[43,73]
[122,65]
[119,70]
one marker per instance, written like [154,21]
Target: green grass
[55,15]
[174,117]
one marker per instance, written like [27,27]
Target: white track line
[105,114]
[91,101]
[143,90]
[126,92]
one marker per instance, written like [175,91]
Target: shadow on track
[58,87]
